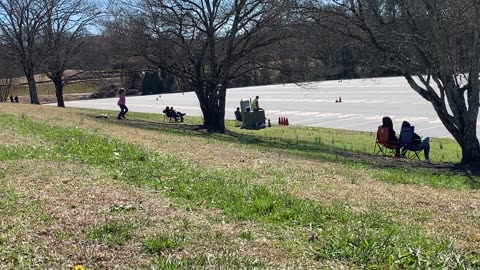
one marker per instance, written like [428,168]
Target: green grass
[308,141]
[160,243]
[113,233]
[332,146]
[442,150]
[246,235]
[15,212]
[370,239]
[228,260]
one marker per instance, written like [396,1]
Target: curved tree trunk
[463,130]
[212,103]
[462,121]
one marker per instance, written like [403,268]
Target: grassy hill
[82,83]
[142,193]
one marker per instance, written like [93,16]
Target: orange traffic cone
[286,121]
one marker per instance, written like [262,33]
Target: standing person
[16,99]
[121,103]
[392,138]
[254,105]
[11,98]
[418,143]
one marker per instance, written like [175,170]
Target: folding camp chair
[406,142]
[384,146]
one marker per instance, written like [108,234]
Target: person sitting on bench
[177,115]
[168,113]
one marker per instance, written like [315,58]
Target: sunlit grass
[112,233]
[331,145]
[358,238]
[310,138]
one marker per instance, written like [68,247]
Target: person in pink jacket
[121,102]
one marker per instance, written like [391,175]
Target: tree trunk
[32,87]
[59,91]
[468,140]
[212,103]
[463,131]
[470,147]
[462,121]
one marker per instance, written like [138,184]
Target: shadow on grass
[310,150]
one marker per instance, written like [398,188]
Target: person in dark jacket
[418,143]
[238,115]
[177,115]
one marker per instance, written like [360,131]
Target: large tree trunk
[463,124]
[212,103]
[32,87]
[463,130]
[466,136]
[59,91]
[470,146]
[460,117]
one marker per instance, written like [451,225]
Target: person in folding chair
[410,141]
[388,141]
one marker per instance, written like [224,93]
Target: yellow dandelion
[79,267]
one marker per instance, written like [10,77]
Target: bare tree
[64,31]
[124,37]
[20,22]
[8,74]
[421,39]
[205,43]
[7,87]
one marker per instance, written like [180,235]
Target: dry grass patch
[449,213]
[12,139]
[452,213]
[72,199]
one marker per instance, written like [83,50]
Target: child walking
[121,103]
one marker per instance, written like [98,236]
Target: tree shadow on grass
[311,150]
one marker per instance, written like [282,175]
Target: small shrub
[112,233]
[159,243]
[247,235]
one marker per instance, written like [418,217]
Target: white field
[364,103]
